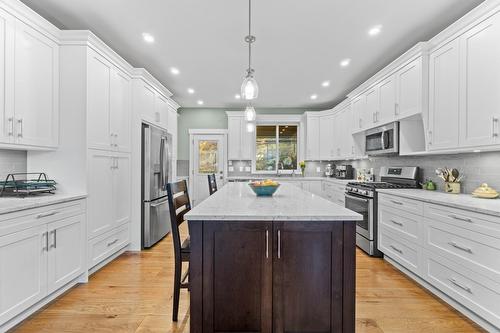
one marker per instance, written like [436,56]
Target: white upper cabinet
[387,101]
[109,105]
[358,107]
[161,111]
[29,86]
[444,96]
[409,89]
[312,137]
[370,112]
[480,84]
[326,134]
[240,141]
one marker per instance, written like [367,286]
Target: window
[207,159]
[276,148]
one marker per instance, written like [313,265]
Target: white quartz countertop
[237,202]
[289,178]
[14,204]
[462,201]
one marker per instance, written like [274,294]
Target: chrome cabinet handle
[461,286]
[396,109]
[494,126]
[397,202]
[113,242]
[397,223]
[267,244]
[279,244]
[465,219]
[54,244]
[396,249]
[429,134]
[42,215]
[20,123]
[460,247]
[11,126]
[46,236]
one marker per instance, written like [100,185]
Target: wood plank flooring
[134,294]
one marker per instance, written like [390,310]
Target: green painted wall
[200,118]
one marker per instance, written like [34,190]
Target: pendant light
[249,87]
[250,113]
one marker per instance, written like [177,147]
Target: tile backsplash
[12,161]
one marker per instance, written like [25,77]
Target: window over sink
[276,148]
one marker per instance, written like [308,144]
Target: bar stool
[212,184]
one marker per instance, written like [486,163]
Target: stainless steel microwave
[382,140]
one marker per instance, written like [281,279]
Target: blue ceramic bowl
[264,191]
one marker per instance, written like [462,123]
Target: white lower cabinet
[41,251]
[453,250]
[107,244]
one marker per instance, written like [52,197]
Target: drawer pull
[42,215]
[396,249]
[397,202]
[267,244]
[397,223]
[463,248]
[461,286]
[465,219]
[113,242]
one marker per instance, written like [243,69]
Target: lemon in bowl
[264,188]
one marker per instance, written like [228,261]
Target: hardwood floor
[134,294]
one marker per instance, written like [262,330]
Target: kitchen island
[271,264]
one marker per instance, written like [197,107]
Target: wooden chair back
[179,205]
[212,184]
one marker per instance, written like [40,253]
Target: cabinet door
[36,87]
[161,111]
[145,103]
[66,259]
[444,97]
[6,77]
[23,271]
[371,110]
[358,107]
[387,103]
[480,84]
[234,138]
[121,190]
[98,102]
[327,136]
[100,200]
[312,138]
[345,130]
[120,110]
[237,288]
[247,141]
[307,277]
[409,89]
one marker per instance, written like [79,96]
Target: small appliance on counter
[344,172]
[24,184]
[330,170]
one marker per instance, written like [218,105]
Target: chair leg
[177,289]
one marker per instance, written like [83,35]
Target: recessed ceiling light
[174,71]
[200,102]
[148,38]
[326,84]
[237,96]
[345,62]
[314,96]
[374,31]
[191,91]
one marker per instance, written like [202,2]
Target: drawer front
[475,292]
[17,221]
[404,204]
[105,245]
[405,253]
[407,226]
[486,224]
[475,251]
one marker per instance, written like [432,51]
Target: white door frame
[196,132]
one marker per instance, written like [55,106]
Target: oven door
[363,206]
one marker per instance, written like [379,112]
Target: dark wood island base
[272,276]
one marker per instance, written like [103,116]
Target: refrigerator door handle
[162,161]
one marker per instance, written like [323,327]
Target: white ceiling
[299,43]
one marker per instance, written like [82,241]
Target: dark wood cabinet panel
[237,284]
[307,277]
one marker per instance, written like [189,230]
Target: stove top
[381,185]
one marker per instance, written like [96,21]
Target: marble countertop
[14,204]
[236,201]
[462,201]
[289,178]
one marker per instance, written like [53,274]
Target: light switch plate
[247,169]
[318,169]
[230,162]
[231,169]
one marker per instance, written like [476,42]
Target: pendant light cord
[249,36]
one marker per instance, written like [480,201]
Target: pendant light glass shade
[250,127]
[249,88]
[250,114]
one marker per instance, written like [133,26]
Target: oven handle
[356,198]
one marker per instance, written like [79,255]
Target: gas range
[362,198]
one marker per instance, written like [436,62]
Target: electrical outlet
[241,169]
[231,169]
[247,169]
[230,163]
[318,169]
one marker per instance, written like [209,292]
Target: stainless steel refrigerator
[156,174]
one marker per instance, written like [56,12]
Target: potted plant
[302,165]
[452,179]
